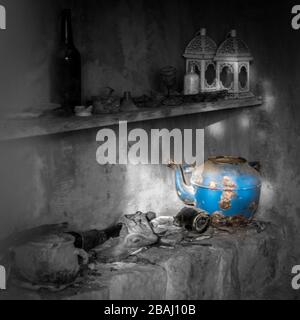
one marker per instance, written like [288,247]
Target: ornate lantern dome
[201,47]
[233,49]
[200,54]
[233,59]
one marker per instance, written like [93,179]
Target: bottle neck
[66,28]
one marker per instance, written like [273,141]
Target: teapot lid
[226,173]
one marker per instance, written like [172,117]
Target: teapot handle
[83,254]
[184,168]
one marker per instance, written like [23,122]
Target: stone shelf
[244,265]
[18,129]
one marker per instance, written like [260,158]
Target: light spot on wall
[244,121]
[217,130]
[150,188]
[269,99]
[261,135]
[267,195]
[269,104]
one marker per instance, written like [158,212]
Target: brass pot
[49,260]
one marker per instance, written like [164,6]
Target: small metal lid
[227,160]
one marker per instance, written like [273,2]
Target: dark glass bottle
[68,67]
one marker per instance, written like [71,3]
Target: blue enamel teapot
[227,185]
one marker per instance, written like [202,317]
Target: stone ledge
[28,128]
[240,266]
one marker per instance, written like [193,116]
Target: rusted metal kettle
[230,186]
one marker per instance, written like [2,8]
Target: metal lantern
[200,53]
[233,66]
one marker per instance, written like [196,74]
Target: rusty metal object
[218,220]
[227,184]
[192,220]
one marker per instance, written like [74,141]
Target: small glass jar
[191,82]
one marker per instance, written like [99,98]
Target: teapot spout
[185,192]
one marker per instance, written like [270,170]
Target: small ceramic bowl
[82,111]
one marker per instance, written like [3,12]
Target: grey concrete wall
[123,44]
[26,48]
